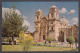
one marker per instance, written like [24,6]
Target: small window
[48,15]
[52,14]
[36,24]
[56,14]
[51,28]
[51,22]
[36,29]
[37,17]
[61,32]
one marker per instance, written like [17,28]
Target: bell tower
[53,22]
[53,12]
[39,14]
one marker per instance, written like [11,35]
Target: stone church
[51,26]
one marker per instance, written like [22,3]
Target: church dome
[64,20]
[39,10]
[53,6]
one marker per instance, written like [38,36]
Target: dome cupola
[53,6]
[39,12]
[64,21]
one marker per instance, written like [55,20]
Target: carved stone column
[65,35]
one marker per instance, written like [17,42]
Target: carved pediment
[44,26]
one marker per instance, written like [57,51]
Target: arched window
[36,24]
[51,28]
[61,32]
[56,14]
[37,17]
[36,29]
[52,14]
[48,15]
[51,22]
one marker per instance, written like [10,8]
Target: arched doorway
[44,37]
[61,37]
[44,28]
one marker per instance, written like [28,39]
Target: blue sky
[28,9]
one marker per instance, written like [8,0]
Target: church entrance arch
[44,37]
[61,37]
[44,28]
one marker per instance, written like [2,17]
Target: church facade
[50,26]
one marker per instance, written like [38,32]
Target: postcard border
[38,51]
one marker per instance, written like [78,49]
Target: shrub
[9,39]
[17,41]
[53,44]
[25,40]
[54,39]
[71,40]
[39,44]
[34,43]
[49,40]
[4,40]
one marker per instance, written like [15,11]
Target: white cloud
[74,20]
[63,10]
[71,11]
[24,17]
[5,10]
[26,23]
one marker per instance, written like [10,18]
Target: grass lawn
[35,48]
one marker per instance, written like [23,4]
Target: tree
[54,40]
[71,40]
[76,41]
[49,40]
[12,24]
[26,40]
[24,28]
